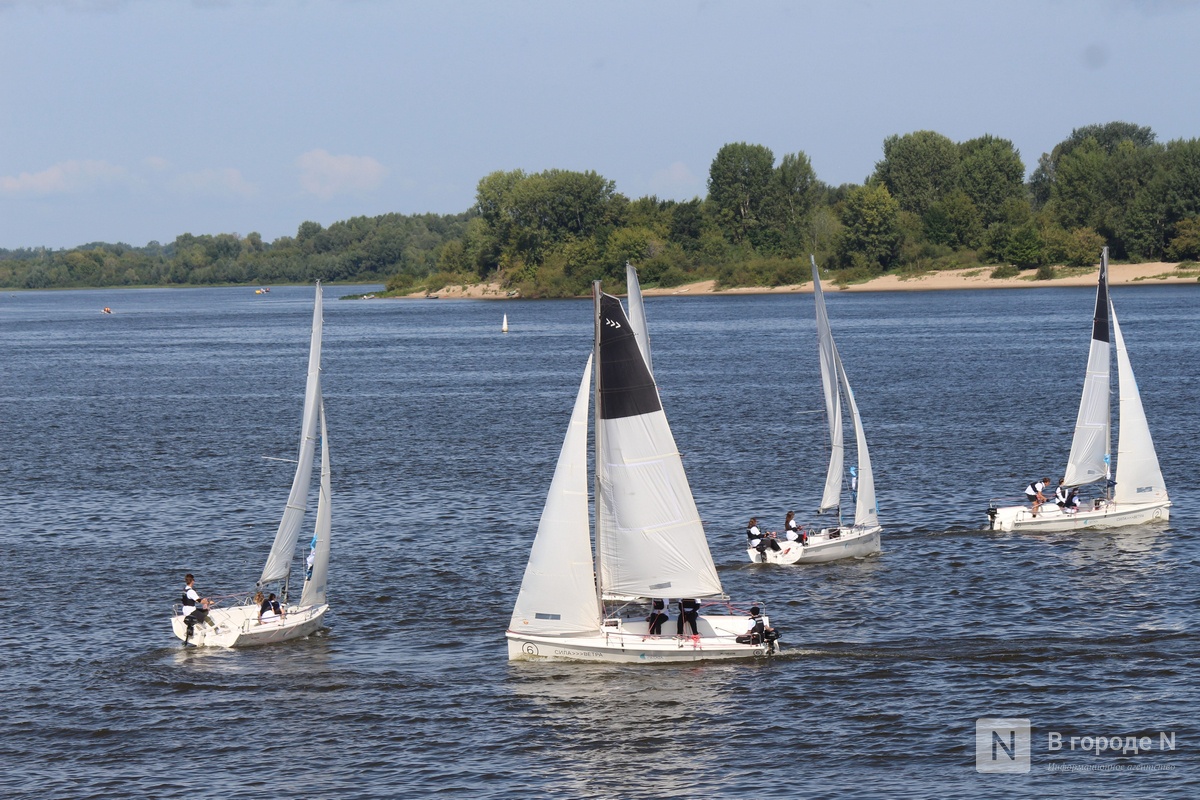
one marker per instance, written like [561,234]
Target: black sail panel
[1100,318]
[626,386]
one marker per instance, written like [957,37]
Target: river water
[139,446]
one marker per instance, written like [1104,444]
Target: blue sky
[139,120]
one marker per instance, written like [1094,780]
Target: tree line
[930,203]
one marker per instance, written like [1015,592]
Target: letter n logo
[1002,744]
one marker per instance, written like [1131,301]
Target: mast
[597,366]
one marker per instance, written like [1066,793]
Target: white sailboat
[1139,494]
[239,625]
[837,541]
[649,541]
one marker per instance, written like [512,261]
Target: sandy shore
[1156,272]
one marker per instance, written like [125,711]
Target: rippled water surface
[134,451]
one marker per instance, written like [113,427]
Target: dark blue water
[133,452]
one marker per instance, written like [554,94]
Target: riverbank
[1155,272]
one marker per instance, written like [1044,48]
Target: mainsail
[834,383]
[558,591]
[649,538]
[1089,457]
[1139,478]
[279,562]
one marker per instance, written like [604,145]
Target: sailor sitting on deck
[757,539]
[758,629]
[269,610]
[658,615]
[792,530]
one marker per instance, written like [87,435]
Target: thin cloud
[224,182]
[66,177]
[326,175]
[674,180]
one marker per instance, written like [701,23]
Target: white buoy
[504,325]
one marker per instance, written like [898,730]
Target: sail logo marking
[612,323]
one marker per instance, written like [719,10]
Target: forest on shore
[930,203]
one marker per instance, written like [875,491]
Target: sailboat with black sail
[585,604]
[241,624]
[1138,494]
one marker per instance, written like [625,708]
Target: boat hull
[1052,519]
[629,642]
[821,547]
[239,627]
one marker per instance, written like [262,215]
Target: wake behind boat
[649,541]
[1139,494]
[245,623]
[838,541]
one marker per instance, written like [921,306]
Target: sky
[140,120]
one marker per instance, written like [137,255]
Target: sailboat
[580,604]
[837,541]
[1138,494]
[239,625]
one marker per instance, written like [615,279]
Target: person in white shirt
[195,607]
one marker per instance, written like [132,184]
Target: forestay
[649,538]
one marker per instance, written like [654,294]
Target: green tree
[739,185]
[919,169]
[954,221]
[871,228]
[990,172]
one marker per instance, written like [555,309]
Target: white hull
[821,547]
[628,641]
[239,626]
[1103,514]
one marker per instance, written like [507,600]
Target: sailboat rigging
[838,541]
[242,625]
[576,603]
[1139,494]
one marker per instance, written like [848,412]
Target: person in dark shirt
[658,615]
[689,611]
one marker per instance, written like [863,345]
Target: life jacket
[186,601]
[686,606]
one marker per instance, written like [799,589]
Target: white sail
[1139,478]
[864,508]
[558,592]
[649,538]
[637,314]
[1090,447]
[830,364]
[317,579]
[279,562]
